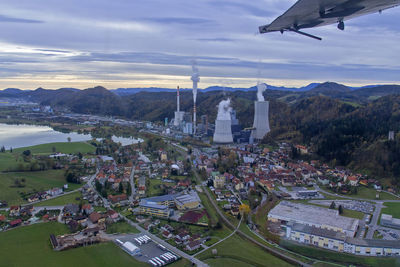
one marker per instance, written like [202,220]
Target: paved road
[167,245]
[374,221]
[132,182]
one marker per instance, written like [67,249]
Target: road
[352,198]
[222,240]
[273,251]
[132,182]
[374,221]
[165,244]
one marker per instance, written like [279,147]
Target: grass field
[39,181]
[30,246]
[353,214]
[227,262]
[62,147]
[154,187]
[392,209]
[239,250]
[121,227]
[10,160]
[62,200]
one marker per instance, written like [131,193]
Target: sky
[131,43]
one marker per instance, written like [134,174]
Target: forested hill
[344,126]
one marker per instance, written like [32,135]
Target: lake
[23,135]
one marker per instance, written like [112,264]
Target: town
[165,199]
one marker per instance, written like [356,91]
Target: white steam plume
[261,87]
[195,78]
[224,110]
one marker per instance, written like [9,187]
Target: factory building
[154,209]
[288,212]
[187,201]
[338,241]
[388,221]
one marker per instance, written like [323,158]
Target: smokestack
[196,79]
[177,99]
[223,128]
[178,114]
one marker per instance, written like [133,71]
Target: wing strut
[304,33]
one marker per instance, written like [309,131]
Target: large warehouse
[315,216]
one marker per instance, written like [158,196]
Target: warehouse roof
[310,214]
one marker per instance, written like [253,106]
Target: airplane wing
[316,13]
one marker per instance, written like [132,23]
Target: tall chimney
[177,100]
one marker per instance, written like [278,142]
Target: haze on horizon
[152,43]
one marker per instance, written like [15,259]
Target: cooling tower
[261,121]
[223,132]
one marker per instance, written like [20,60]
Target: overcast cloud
[123,43]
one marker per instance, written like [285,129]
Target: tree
[333,205]
[98,186]
[244,209]
[129,189]
[340,209]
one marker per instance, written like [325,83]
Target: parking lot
[389,234]
[362,206]
[148,251]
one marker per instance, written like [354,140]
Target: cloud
[176,20]
[145,42]
[18,20]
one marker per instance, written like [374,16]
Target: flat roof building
[319,217]
[388,221]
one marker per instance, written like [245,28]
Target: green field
[10,160]
[227,262]
[39,181]
[353,214]
[154,187]
[30,246]
[121,227]
[62,200]
[392,208]
[62,147]
[239,250]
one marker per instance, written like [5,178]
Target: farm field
[30,182]
[71,198]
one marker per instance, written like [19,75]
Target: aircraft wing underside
[316,13]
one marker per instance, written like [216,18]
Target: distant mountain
[129,91]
